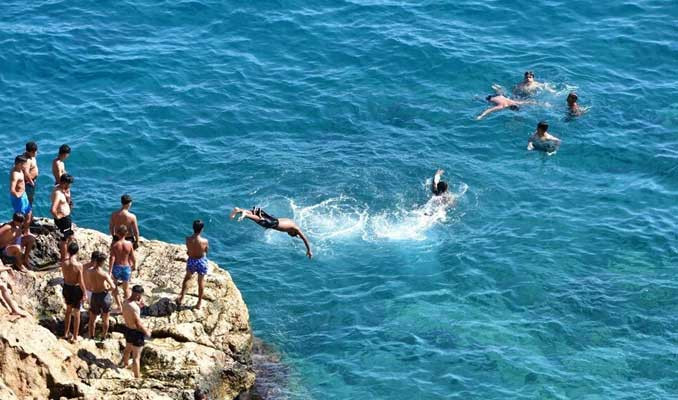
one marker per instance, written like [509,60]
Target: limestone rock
[210,347]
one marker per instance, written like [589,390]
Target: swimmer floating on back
[269,222]
[501,102]
[542,140]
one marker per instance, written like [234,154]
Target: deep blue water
[551,278]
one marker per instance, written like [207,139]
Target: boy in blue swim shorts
[17,191]
[196,247]
[122,262]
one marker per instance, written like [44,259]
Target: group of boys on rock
[541,139]
[92,283]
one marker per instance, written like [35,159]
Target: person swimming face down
[441,188]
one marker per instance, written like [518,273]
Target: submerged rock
[210,348]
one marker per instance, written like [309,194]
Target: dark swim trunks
[100,303]
[266,221]
[72,295]
[135,337]
[65,225]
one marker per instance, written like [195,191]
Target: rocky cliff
[210,348]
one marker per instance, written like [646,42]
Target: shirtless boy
[572,106]
[73,291]
[540,139]
[100,284]
[266,221]
[529,85]
[31,171]
[58,164]
[501,102]
[196,247]
[17,191]
[122,262]
[135,331]
[15,245]
[124,217]
[61,211]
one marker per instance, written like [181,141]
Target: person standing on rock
[122,261]
[73,291]
[135,332]
[17,191]
[196,247]
[15,245]
[124,217]
[59,164]
[31,170]
[61,211]
[100,284]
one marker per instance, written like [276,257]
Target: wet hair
[125,199]
[543,126]
[442,187]
[121,231]
[31,146]
[98,256]
[18,217]
[572,96]
[198,225]
[529,73]
[137,289]
[514,108]
[66,178]
[73,248]
[20,160]
[65,149]
[199,394]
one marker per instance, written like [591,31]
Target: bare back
[196,246]
[17,183]
[126,218]
[288,226]
[71,270]
[131,312]
[122,252]
[97,279]
[58,169]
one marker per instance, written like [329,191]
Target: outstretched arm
[309,254]
[489,111]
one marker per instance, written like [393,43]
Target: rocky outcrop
[210,347]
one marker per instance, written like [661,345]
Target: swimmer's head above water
[441,188]
[529,76]
[542,127]
[572,98]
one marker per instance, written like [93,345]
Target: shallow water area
[551,277]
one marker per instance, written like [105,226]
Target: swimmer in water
[573,108]
[439,188]
[501,102]
[541,137]
[529,85]
[269,222]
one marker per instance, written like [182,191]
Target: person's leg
[27,221]
[91,324]
[14,251]
[28,242]
[116,295]
[7,299]
[184,284]
[125,289]
[104,322]
[76,322]
[244,214]
[125,355]
[201,287]
[136,363]
[67,321]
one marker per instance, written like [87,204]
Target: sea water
[549,277]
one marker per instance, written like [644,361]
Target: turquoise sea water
[552,278]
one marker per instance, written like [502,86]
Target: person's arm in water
[436,179]
[309,254]
[489,111]
[530,144]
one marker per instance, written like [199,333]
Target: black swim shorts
[65,227]
[134,337]
[72,295]
[100,303]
